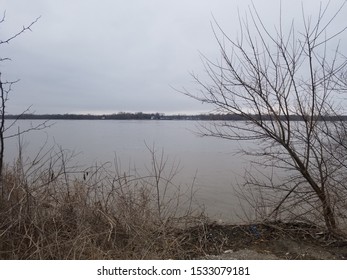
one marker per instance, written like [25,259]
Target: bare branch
[24,29]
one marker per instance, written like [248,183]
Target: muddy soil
[286,241]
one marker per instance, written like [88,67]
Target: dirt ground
[268,241]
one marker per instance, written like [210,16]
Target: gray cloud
[109,56]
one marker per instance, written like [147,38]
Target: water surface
[211,162]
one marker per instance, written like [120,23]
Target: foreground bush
[51,211]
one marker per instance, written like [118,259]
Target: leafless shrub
[283,85]
[6,88]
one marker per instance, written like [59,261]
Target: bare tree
[286,85]
[5,90]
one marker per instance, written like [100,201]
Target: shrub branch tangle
[54,210]
[5,90]
[270,78]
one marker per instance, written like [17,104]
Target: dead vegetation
[49,210]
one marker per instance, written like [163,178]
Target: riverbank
[286,241]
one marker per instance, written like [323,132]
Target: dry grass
[49,210]
[52,210]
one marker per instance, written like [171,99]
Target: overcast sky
[107,56]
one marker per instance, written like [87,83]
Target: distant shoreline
[159,116]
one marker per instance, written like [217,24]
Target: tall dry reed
[50,210]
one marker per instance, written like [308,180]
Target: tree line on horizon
[161,116]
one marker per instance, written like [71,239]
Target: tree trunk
[329,217]
[2,128]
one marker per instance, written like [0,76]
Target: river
[212,163]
